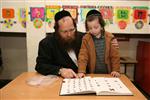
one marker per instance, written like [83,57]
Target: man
[58,52]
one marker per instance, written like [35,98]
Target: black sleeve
[44,61]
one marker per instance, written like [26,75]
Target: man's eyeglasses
[66,31]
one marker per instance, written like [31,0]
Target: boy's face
[94,27]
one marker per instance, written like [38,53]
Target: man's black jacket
[51,56]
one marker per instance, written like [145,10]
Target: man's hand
[67,73]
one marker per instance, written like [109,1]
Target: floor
[5,82]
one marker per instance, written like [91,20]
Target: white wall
[33,35]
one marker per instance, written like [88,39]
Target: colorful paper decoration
[50,13]
[84,10]
[37,22]
[149,18]
[122,24]
[140,13]
[22,16]
[139,24]
[73,11]
[8,13]
[8,23]
[140,16]
[37,12]
[107,13]
[122,15]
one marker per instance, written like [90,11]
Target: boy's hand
[80,75]
[115,74]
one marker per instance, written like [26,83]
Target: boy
[99,52]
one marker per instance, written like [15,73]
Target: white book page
[110,86]
[77,86]
[98,85]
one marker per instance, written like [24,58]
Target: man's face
[66,29]
[67,32]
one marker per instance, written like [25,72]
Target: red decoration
[122,24]
[140,14]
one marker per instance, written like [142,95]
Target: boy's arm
[83,57]
[115,56]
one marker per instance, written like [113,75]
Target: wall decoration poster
[22,16]
[8,14]
[107,13]
[140,16]
[122,16]
[37,16]
[37,22]
[84,10]
[73,11]
[51,10]
[37,12]
[149,18]
[8,23]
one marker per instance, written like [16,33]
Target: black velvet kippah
[61,14]
[93,12]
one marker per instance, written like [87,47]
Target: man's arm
[44,60]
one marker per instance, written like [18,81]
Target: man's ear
[76,20]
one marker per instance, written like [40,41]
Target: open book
[97,85]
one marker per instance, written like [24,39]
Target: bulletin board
[121,17]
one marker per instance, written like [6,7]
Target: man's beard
[68,44]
